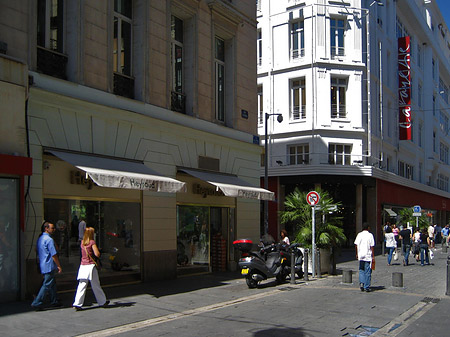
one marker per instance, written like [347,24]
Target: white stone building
[330,68]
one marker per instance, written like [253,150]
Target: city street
[222,305]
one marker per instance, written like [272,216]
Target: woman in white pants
[88,271]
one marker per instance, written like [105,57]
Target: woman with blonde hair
[88,271]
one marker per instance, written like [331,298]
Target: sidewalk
[412,310]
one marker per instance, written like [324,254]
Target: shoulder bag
[95,259]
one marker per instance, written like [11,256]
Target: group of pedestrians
[49,265]
[419,243]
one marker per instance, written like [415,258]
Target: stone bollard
[346,276]
[305,262]
[319,267]
[448,276]
[397,279]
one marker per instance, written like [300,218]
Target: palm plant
[406,215]
[328,222]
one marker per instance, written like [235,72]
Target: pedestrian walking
[364,244]
[416,246]
[431,235]
[445,233]
[396,232]
[425,242]
[88,271]
[49,264]
[391,245]
[405,237]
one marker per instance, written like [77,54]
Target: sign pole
[313,241]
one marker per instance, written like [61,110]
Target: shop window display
[117,227]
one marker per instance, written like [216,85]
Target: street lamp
[266,172]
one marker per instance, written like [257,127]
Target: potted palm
[328,224]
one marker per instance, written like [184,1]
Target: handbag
[95,259]
[395,255]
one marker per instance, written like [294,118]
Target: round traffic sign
[312,198]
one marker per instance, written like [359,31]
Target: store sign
[404,88]
[79,178]
[205,191]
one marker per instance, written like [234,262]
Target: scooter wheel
[251,283]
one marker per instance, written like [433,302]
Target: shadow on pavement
[297,332]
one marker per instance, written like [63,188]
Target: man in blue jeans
[49,264]
[364,244]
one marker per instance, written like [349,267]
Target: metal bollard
[347,276]
[292,267]
[305,262]
[448,276]
[319,271]
[397,279]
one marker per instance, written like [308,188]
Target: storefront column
[359,208]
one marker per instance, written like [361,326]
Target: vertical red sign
[404,88]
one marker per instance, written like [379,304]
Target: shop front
[206,220]
[92,189]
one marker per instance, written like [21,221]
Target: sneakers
[368,290]
[106,304]
[77,308]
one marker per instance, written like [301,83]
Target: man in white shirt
[364,244]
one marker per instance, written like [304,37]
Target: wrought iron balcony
[123,85]
[51,63]
[178,102]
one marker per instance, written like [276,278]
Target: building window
[443,155]
[443,122]
[420,172]
[405,170]
[443,90]
[298,106]
[299,154]
[50,25]
[337,29]
[297,39]
[219,61]
[420,135]
[50,59]
[433,68]
[442,182]
[419,95]
[259,47]
[122,37]
[260,105]
[434,141]
[434,105]
[339,154]
[338,90]
[419,56]
[178,101]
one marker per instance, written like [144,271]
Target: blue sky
[444,6]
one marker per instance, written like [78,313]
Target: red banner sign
[404,88]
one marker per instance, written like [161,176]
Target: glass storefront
[117,234]
[204,235]
[9,239]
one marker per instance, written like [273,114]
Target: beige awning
[231,185]
[120,173]
[390,212]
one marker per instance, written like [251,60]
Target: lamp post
[266,166]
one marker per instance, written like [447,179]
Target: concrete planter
[325,260]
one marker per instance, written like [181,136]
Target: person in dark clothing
[405,236]
[424,243]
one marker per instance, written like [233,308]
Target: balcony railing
[297,53]
[178,102]
[299,112]
[123,85]
[310,158]
[338,111]
[51,63]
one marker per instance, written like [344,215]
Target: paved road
[222,305]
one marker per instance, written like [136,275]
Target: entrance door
[9,239]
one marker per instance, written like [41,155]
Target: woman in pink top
[88,272]
[396,231]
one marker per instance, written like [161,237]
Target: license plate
[244,271]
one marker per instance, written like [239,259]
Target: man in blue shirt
[445,234]
[49,264]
